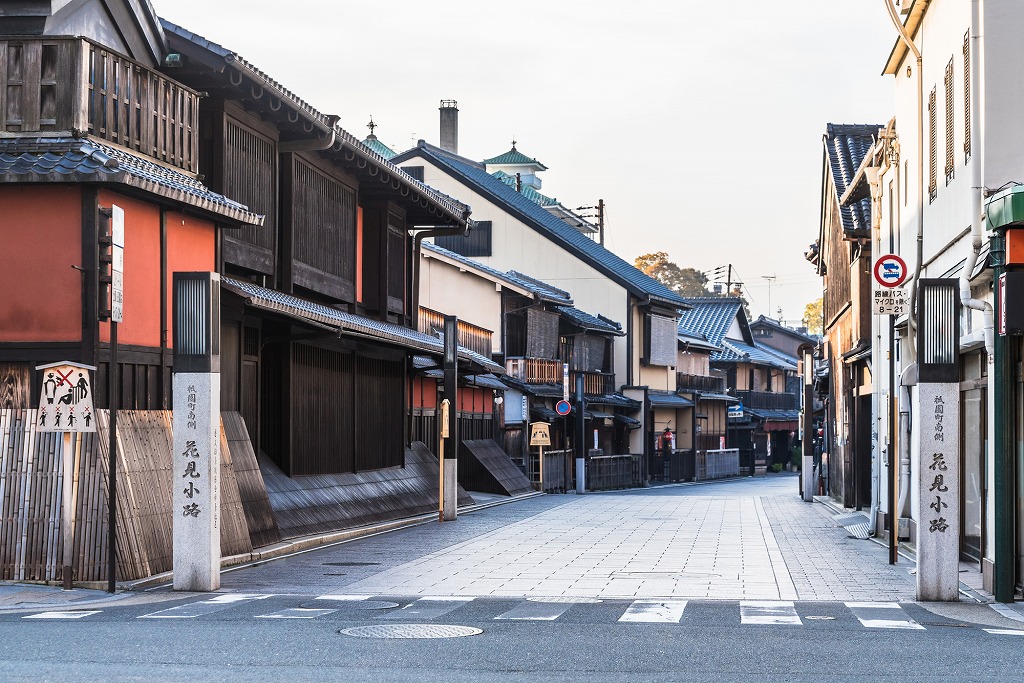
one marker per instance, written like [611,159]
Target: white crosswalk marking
[198,609]
[343,598]
[536,610]
[769,612]
[296,613]
[655,611]
[428,607]
[1004,631]
[883,615]
[63,615]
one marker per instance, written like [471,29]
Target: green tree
[688,282]
[812,316]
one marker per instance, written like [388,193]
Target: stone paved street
[741,539]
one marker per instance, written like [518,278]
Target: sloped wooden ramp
[485,467]
[333,502]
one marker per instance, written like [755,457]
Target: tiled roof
[845,147]
[587,321]
[552,227]
[783,358]
[668,399]
[349,323]
[774,415]
[514,157]
[543,290]
[765,321]
[70,160]
[710,317]
[344,141]
[738,352]
[374,144]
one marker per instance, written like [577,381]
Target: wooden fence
[31,481]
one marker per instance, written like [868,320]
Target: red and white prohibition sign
[890,270]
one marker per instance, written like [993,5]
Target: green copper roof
[526,191]
[514,157]
[1006,208]
[379,147]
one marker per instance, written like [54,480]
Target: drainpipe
[919,251]
[908,378]
[416,242]
[977,192]
[316,144]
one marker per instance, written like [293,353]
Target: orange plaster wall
[359,254]
[141,324]
[40,293]
[424,393]
[191,246]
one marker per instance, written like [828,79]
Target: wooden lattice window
[933,189]
[967,96]
[948,83]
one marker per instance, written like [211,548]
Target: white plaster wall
[474,299]
[516,246]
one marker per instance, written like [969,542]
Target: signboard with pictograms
[65,403]
[888,298]
[540,434]
[117,264]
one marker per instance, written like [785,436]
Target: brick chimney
[450,126]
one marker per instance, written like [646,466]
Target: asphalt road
[264,638]
[731,581]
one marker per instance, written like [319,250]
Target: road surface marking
[769,612]
[530,610]
[1004,631]
[62,615]
[655,611]
[883,615]
[428,607]
[296,613]
[198,609]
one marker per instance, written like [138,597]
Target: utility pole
[599,207]
[771,280]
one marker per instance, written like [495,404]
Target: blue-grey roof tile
[388,332]
[846,145]
[710,317]
[587,321]
[62,159]
[589,251]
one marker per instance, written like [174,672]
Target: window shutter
[967,96]
[948,83]
[932,152]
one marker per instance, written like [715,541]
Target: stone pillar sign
[937,413]
[196,464]
[938,529]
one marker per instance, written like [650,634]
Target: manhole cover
[411,631]
[819,617]
[346,605]
[567,600]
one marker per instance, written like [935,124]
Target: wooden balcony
[535,370]
[74,85]
[471,337]
[685,382]
[594,383]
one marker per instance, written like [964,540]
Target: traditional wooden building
[762,429]
[214,166]
[539,331]
[844,263]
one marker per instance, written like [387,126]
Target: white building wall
[476,300]
[516,246]
[997,146]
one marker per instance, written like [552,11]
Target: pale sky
[698,123]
